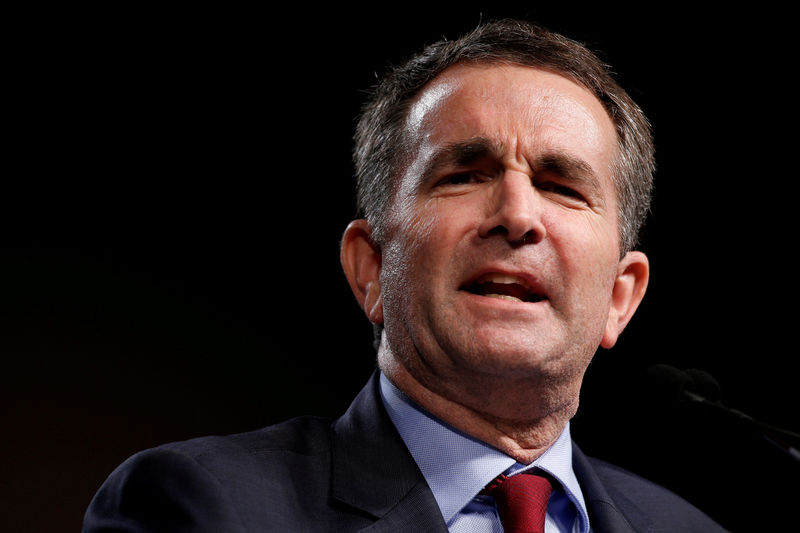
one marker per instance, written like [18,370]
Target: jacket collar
[606,513]
[372,469]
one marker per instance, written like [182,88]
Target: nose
[514,211]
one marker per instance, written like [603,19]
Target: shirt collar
[444,454]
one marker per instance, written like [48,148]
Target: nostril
[528,238]
[531,236]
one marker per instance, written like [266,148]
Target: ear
[361,262]
[629,288]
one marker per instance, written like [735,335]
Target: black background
[177,181]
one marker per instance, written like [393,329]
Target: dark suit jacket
[352,474]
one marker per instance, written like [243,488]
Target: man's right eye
[463,178]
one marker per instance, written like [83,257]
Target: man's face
[501,246]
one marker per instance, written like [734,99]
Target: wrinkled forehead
[521,109]
[534,93]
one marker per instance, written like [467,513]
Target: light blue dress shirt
[457,467]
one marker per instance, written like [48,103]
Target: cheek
[404,262]
[419,262]
[588,255]
[427,233]
[585,236]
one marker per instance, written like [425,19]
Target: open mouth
[503,286]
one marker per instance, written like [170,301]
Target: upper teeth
[494,277]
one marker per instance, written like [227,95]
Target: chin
[524,357]
[526,399]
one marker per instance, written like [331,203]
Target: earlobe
[361,262]
[629,288]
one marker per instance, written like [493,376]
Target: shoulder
[302,436]
[622,481]
[212,480]
[243,457]
[644,501]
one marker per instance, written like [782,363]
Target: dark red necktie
[521,501]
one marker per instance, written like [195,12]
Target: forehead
[525,110]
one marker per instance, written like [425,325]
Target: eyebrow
[568,167]
[462,153]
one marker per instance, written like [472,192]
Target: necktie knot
[521,501]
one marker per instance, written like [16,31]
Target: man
[502,179]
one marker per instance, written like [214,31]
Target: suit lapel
[416,512]
[372,470]
[605,514]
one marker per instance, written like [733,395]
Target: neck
[524,437]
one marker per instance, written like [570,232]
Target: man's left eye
[561,190]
